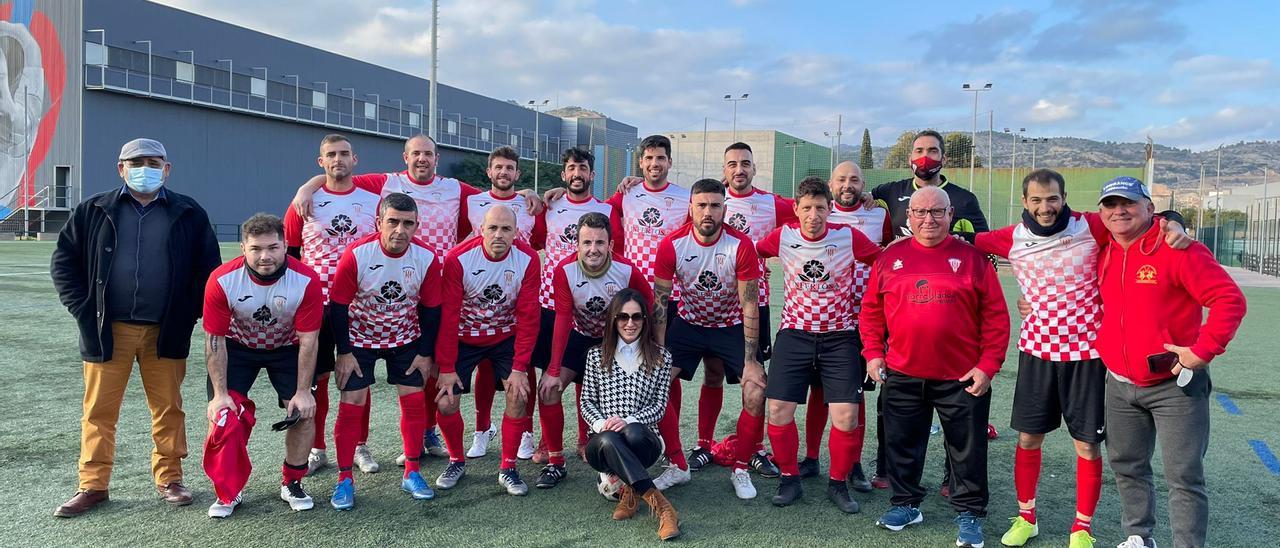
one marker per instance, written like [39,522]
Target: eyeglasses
[936,213]
[623,317]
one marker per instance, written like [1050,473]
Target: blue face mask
[144,180]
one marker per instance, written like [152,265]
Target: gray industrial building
[241,112]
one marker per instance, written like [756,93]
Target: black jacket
[82,262]
[897,194]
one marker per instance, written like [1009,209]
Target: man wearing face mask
[130,266]
[928,153]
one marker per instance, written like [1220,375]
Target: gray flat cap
[142,147]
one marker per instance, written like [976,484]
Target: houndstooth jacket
[637,397]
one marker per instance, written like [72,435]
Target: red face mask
[925,168]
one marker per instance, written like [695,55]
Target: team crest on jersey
[508,276]
[814,271]
[595,305]
[611,289]
[570,234]
[408,273]
[651,217]
[391,292]
[668,201]
[831,250]
[341,225]
[1146,274]
[721,258]
[708,281]
[277,303]
[955,264]
[493,295]
[739,222]
[263,316]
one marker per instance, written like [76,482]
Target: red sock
[815,423]
[582,423]
[484,392]
[429,393]
[512,428]
[840,445]
[1026,474]
[290,473]
[451,428]
[413,420]
[551,419]
[786,444]
[1088,489]
[750,431]
[709,403]
[322,410]
[532,402]
[669,428]
[346,434]
[364,422]
[860,434]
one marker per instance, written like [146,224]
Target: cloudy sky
[1190,74]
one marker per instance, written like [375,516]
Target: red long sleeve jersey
[756,214]
[818,275]
[486,299]
[582,300]
[647,216]
[872,223]
[337,219]
[709,273]
[442,208]
[384,291]
[561,240]
[532,229]
[942,307]
[262,316]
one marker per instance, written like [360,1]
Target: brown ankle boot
[668,520]
[627,503]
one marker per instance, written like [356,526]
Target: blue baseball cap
[1124,187]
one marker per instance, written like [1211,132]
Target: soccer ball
[608,486]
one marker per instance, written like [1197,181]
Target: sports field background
[39,445]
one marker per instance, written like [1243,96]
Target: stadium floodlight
[973,137]
[735,100]
[537,137]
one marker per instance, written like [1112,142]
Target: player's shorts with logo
[800,355]
[398,360]
[689,344]
[1049,393]
[244,364]
[501,356]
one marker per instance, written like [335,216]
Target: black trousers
[909,403]
[627,454]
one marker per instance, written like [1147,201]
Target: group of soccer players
[441,281]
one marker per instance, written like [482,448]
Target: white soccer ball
[608,486]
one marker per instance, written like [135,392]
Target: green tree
[865,159]
[899,156]
[959,145]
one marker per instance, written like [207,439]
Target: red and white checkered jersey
[709,273]
[872,223]
[384,291]
[582,300]
[818,275]
[480,204]
[562,238]
[756,214]
[647,217]
[337,219]
[1058,275]
[262,316]
[442,209]
[485,299]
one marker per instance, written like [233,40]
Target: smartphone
[287,423]
[1162,362]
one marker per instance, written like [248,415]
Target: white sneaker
[1135,541]
[293,494]
[316,460]
[741,480]
[220,510]
[672,477]
[400,460]
[364,460]
[526,446]
[480,443]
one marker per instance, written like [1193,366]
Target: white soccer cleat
[741,480]
[527,446]
[364,460]
[219,510]
[316,461]
[672,477]
[297,498]
[480,443]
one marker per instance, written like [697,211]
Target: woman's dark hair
[650,352]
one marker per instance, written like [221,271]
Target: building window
[415,120]
[258,87]
[515,140]
[370,110]
[484,134]
[451,127]
[95,54]
[319,100]
[185,71]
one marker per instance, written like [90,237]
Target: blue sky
[1191,75]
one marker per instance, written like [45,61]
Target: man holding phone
[1157,348]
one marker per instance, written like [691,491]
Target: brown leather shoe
[175,493]
[627,503]
[668,520]
[81,503]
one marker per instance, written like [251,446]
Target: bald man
[489,310]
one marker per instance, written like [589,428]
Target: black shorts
[398,361]
[673,309]
[1048,393]
[798,355]
[766,336]
[326,348]
[541,357]
[689,344]
[244,363]
[500,355]
[575,354]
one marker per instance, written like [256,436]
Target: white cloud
[1048,111]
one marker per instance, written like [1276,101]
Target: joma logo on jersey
[341,225]
[390,292]
[1146,274]
[324,203]
[814,272]
[651,217]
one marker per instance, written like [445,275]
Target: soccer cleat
[221,510]
[970,535]
[297,498]
[316,461]
[671,477]
[699,457]
[480,443]
[344,495]
[764,466]
[741,480]
[1135,541]
[452,473]
[809,468]
[364,460]
[417,487]
[858,480]
[789,491]
[879,482]
[526,446]
[899,517]
[1020,531]
[509,479]
[551,476]
[838,492]
[1081,539]
[432,444]
[400,460]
